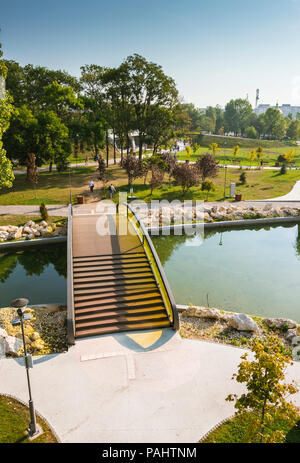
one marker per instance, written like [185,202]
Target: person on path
[86,160]
[111,190]
[92,186]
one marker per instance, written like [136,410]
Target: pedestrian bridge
[115,281]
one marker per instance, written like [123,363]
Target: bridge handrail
[70,295]
[155,263]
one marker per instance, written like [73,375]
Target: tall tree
[236,115]
[149,87]
[6,108]
[94,86]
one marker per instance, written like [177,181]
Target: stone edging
[37,413]
[227,223]
[35,242]
[215,427]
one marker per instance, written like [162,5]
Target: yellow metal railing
[154,261]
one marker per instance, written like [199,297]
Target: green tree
[293,130]
[266,390]
[236,115]
[149,87]
[251,132]
[207,186]
[6,109]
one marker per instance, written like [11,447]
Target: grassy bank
[14,419]
[236,430]
[225,155]
[19,220]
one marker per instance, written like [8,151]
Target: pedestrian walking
[86,160]
[111,190]
[92,186]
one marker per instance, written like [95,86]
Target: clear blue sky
[214,49]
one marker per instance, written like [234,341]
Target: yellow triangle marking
[146,340]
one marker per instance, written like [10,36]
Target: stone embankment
[166,215]
[32,230]
[234,328]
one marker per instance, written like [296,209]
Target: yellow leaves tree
[260,154]
[236,151]
[251,156]
[214,147]
[289,156]
[188,152]
[266,389]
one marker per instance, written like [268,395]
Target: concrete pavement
[148,386]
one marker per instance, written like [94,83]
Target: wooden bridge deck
[113,282]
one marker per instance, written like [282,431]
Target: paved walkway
[293,195]
[62,210]
[147,386]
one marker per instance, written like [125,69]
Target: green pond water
[255,271]
[38,273]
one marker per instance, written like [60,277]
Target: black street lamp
[21,305]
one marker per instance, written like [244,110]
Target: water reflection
[34,261]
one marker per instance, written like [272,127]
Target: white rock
[242,322]
[44,223]
[3,333]
[2,348]
[18,233]
[207,312]
[12,345]
[280,323]
[29,224]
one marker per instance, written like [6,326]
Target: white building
[285,109]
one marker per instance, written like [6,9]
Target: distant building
[285,109]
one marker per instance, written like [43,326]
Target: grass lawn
[54,188]
[14,419]
[270,155]
[261,184]
[234,430]
[19,220]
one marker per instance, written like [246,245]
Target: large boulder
[13,345]
[280,323]
[242,322]
[2,348]
[202,312]
[3,333]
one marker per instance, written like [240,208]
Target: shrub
[243,178]
[207,166]
[44,212]
[186,176]
[283,169]
[207,186]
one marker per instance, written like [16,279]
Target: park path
[293,195]
[151,386]
[62,209]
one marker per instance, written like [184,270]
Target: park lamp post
[21,305]
[225,168]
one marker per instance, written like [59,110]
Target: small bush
[283,169]
[243,178]
[44,212]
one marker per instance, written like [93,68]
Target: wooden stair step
[112,271]
[119,305]
[102,301]
[120,319]
[116,313]
[102,257]
[118,329]
[113,283]
[108,278]
[111,263]
[115,294]
[119,289]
